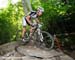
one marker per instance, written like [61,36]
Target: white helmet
[40,9]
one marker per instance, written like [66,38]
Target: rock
[31,53]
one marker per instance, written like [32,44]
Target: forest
[58,18]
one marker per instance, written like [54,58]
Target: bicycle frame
[38,30]
[35,29]
[39,36]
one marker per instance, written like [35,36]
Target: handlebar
[37,26]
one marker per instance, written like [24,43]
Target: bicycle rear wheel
[46,40]
[18,35]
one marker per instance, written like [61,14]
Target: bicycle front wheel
[46,40]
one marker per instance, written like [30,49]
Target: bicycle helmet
[40,9]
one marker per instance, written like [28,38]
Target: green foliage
[56,12]
[35,3]
[57,18]
[10,21]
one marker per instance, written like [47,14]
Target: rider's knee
[24,29]
[30,30]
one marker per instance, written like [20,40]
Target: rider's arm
[37,20]
[28,20]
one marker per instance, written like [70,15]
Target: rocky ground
[33,53]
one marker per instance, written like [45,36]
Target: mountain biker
[28,20]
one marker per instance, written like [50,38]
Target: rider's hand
[39,25]
[32,25]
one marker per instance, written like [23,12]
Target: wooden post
[57,42]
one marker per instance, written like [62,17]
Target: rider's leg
[31,37]
[31,31]
[24,27]
[23,31]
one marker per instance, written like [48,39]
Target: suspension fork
[40,35]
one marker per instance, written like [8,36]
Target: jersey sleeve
[32,12]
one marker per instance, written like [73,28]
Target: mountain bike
[43,39]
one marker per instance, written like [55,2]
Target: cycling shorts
[24,22]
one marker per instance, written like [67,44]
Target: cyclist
[28,20]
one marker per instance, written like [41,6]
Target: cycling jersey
[32,15]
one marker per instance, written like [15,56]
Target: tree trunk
[27,6]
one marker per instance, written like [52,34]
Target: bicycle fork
[40,35]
